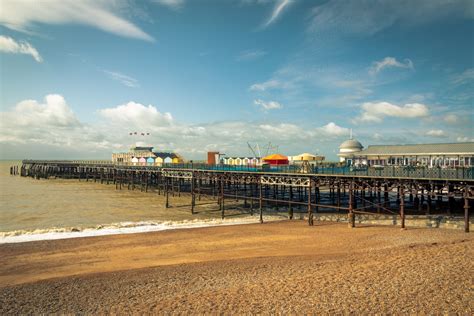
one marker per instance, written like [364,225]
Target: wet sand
[280,267]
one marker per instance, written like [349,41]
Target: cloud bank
[377,111]
[23,15]
[9,45]
[50,129]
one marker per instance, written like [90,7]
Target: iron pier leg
[466,210]
[402,207]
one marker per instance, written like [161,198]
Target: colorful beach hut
[276,160]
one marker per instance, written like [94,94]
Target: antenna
[252,150]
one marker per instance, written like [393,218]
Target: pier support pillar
[290,204]
[222,198]
[193,196]
[351,216]
[167,193]
[260,200]
[310,210]
[466,210]
[402,207]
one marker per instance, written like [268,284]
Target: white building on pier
[430,155]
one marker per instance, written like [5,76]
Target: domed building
[347,150]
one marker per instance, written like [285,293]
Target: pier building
[241,161]
[442,155]
[347,150]
[306,157]
[145,156]
[276,160]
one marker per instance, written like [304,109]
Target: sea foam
[122,228]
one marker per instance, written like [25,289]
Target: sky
[78,76]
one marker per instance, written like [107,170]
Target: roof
[141,148]
[306,155]
[275,157]
[417,149]
[164,155]
[351,144]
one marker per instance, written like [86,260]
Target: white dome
[352,144]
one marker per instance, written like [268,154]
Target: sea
[43,209]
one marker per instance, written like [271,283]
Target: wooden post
[402,207]
[310,210]
[466,210]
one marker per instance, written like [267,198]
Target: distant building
[142,156]
[214,157]
[347,150]
[429,155]
[241,161]
[276,160]
[305,157]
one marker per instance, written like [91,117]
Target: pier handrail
[399,172]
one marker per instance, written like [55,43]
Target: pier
[296,190]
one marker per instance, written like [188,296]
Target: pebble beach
[279,267]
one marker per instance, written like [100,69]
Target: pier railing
[459,173]
[416,172]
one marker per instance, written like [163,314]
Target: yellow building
[305,157]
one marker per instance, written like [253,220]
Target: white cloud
[9,45]
[389,62]
[251,55]
[465,77]
[124,79]
[270,84]
[436,133]
[451,119]
[377,111]
[137,115]
[173,4]
[332,129]
[270,105]
[30,113]
[277,10]
[338,16]
[23,15]
[464,139]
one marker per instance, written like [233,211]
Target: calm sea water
[40,206]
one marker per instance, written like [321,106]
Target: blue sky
[78,76]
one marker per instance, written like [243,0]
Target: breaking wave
[122,228]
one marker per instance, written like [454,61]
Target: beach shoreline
[232,268]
